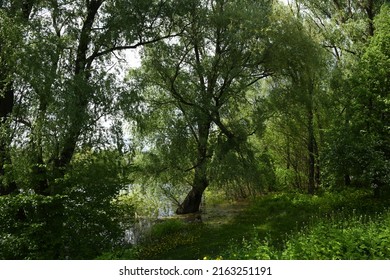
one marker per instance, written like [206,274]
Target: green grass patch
[334,225]
[355,237]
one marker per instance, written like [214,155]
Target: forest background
[284,104]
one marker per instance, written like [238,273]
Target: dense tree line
[240,96]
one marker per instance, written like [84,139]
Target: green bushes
[55,227]
[165,228]
[81,221]
[31,226]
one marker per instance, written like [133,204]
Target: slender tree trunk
[288,152]
[193,199]
[6,108]
[311,144]
[369,7]
[347,177]
[39,172]
[317,175]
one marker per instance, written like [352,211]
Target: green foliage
[91,185]
[345,225]
[331,225]
[31,227]
[149,201]
[10,38]
[196,107]
[168,227]
[196,103]
[80,223]
[358,145]
[37,227]
[352,238]
[163,237]
[242,172]
[55,227]
[335,238]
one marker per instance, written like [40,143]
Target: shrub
[80,222]
[31,226]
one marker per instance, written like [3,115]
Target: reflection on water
[143,225]
[134,234]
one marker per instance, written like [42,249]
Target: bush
[31,226]
[81,222]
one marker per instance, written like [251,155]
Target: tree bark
[81,74]
[193,199]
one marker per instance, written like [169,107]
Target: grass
[344,225]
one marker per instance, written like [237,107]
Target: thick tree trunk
[81,95]
[192,202]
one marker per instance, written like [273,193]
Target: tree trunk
[6,108]
[347,179]
[346,175]
[193,200]
[81,95]
[317,175]
[7,97]
[311,143]
[191,203]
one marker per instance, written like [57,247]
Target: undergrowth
[357,237]
[350,224]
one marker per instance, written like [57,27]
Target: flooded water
[212,214]
[134,234]
[142,225]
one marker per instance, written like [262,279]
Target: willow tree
[57,82]
[195,87]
